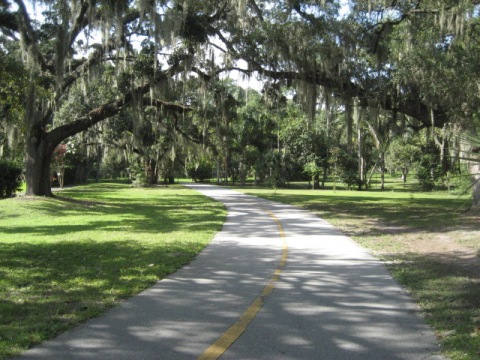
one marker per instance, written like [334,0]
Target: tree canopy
[157,66]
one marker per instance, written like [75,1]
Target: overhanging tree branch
[29,36]
[114,107]
[97,55]
[80,23]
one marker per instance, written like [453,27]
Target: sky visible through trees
[146,89]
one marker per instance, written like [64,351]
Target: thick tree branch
[191,137]
[94,59]
[256,9]
[207,77]
[112,108]
[344,87]
[79,23]
[29,37]
[95,116]
[169,106]
[97,55]
[409,106]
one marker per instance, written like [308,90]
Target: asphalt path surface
[330,300]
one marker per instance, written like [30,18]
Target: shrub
[429,168]
[459,183]
[278,172]
[139,179]
[349,170]
[10,179]
[200,171]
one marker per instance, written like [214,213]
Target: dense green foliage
[13,82]
[143,87]
[10,179]
[200,171]
[429,167]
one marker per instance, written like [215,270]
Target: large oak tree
[68,43]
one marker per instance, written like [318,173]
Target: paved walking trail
[300,288]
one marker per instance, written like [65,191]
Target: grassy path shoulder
[67,259]
[429,243]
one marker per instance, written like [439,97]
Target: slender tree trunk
[98,162]
[475,174]
[361,166]
[324,176]
[404,175]
[243,173]
[382,172]
[61,176]
[349,118]
[225,168]
[316,181]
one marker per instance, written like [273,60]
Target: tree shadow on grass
[449,294]
[409,214]
[313,307]
[70,275]
[155,216]
[48,288]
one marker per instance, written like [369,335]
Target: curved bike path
[292,286]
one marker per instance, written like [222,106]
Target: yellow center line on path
[236,330]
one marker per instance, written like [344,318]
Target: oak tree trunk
[150,168]
[38,158]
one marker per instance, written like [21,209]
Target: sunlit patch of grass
[64,260]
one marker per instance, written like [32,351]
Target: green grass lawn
[64,260]
[419,236]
